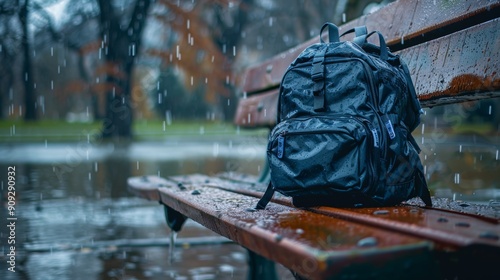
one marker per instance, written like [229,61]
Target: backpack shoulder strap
[422,189]
[264,200]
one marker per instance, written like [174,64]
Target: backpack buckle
[317,72]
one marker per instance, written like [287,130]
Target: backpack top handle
[362,35]
[333,33]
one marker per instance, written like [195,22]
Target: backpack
[346,110]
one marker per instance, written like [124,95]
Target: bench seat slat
[450,230]
[311,244]
[324,238]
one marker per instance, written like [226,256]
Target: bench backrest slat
[452,51]
[397,22]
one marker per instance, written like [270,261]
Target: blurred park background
[95,91]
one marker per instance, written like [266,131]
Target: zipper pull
[376,141]
[390,129]
[281,145]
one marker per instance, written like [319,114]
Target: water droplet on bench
[367,242]
[442,220]
[278,237]
[381,212]
[195,192]
[462,224]
[489,235]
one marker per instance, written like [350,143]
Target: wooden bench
[453,52]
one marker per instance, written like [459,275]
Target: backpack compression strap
[318,77]
[424,194]
[264,200]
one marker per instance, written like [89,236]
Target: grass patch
[144,130]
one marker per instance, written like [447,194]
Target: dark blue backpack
[346,111]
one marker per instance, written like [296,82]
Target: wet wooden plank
[428,20]
[146,186]
[313,245]
[403,23]
[255,110]
[449,230]
[459,67]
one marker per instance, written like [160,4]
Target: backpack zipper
[363,122]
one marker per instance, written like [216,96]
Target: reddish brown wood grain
[403,24]
[313,245]
[461,66]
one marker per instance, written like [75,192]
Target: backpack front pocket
[322,155]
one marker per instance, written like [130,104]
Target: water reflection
[70,195]
[460,150]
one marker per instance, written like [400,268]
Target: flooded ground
[76,219]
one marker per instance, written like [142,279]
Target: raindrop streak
[132,50]
[168,117]
[489,110]
[344,19]
[137,165]
[95,166]
[173,236]
[496,156]
[215,150]
[460,149]
[457,179]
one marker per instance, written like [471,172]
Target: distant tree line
[114,61]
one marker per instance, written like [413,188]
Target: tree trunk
[121,48]
[28,81]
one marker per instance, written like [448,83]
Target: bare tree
[122,42]
[29,90]
[9,43]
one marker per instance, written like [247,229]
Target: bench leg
[260,268]
[175,220]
